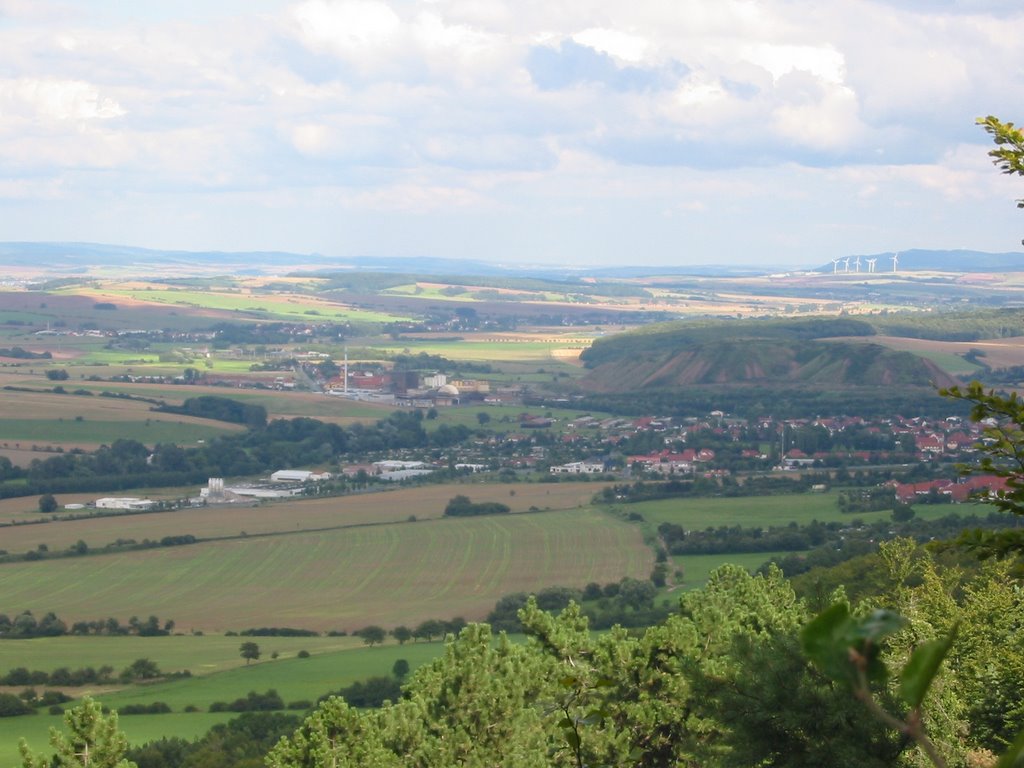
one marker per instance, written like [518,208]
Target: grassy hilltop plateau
[508,517]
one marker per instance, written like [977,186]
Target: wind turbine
[895,260]
[835,265]
[856,263]
[846,264]
[871,264]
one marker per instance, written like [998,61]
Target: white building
[404,474]
[579,468]
[298,476]
[395,465]
[125,502]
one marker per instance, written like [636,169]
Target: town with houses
[915,457]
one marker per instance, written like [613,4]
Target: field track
[345,579]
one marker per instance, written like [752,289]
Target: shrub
[156,708]
[12,706]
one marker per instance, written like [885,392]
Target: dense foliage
[221,409]
[461,506]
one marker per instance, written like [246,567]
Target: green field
[263,306]
[35,730]
[800,508]
[221,675]
[89,430]
[480,351]
[697,568]
[344,579]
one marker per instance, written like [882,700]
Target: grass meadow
[800,508]
[141,729]
[219,674]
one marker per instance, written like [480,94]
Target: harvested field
[75,421]
[999,353]
[427,502]
[387,575]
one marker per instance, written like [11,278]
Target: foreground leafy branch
[848,650]
[1002,454]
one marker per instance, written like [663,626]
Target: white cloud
[351,28]
[811,111]
[50,100]
[825,63]
[615,42]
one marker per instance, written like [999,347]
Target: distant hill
[83,258]
[917,260]
[764,361]
[768,364]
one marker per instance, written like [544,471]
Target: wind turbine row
[856,264]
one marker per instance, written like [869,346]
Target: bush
[156,708]
[253,702]
[370,693]
[461,506]
[12,706]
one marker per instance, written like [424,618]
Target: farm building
[298,476]
[124,502]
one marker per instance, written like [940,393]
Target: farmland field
[391,506]
[263,305]
[35,730]
[697,568]
[344,579]
[90,432]
[75,420]
[997,353]
[221,676]
[800,508]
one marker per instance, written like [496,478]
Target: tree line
[25,625]
[283,442]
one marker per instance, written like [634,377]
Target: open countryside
[593,459]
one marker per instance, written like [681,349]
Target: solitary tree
[250,652]
[47,503]
[372,635]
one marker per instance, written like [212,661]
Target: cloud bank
[782,131]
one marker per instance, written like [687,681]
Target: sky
[557,132]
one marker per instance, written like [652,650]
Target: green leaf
[820,636]
[920,671]
[827,639]
[879,624]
